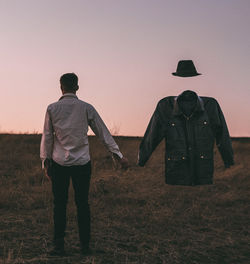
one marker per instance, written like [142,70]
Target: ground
[136,217]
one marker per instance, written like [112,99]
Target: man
[65,153]
[190,125]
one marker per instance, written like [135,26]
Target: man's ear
[77,87]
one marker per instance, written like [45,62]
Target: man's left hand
[47,168]
[124,163]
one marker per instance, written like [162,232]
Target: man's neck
[66,92]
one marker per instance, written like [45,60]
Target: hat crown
[186,68]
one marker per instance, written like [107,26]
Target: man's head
[69,83]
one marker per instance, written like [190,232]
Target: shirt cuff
[119,154]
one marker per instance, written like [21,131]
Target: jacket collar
[68,95]
[199,106]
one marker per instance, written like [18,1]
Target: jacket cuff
[139,160]
[141,164]
[228,165]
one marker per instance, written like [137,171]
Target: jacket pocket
[204,130]
[174,131]
[177,169]
[175,163]
[205,156]
[205,164]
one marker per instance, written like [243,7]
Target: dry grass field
[136,217]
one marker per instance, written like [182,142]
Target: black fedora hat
[186,68]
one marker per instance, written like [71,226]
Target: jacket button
[183,158]
[173,124]
[169,159]
[202,157]
[205,122]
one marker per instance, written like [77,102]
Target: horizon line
[129,136]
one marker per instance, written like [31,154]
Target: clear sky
[124,52]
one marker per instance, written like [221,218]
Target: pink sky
[124,53]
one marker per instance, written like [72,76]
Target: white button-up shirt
[65,138]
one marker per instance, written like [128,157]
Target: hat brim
[186,74]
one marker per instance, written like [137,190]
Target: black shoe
[86,251]
[57,251]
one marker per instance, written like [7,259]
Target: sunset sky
[123,52]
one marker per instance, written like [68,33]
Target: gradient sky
[124,52]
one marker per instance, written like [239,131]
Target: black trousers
[80,176]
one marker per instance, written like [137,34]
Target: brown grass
[136,218]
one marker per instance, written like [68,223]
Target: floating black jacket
[190,125]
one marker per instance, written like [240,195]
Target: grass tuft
[135,217]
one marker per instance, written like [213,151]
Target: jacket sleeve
[47,140]
[102,132]
[223,140]
[152,137]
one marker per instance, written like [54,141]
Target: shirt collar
[199,106]
[68,95]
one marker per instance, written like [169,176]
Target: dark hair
[69,81]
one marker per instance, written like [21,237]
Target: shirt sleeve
[101,131]
[46,145]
